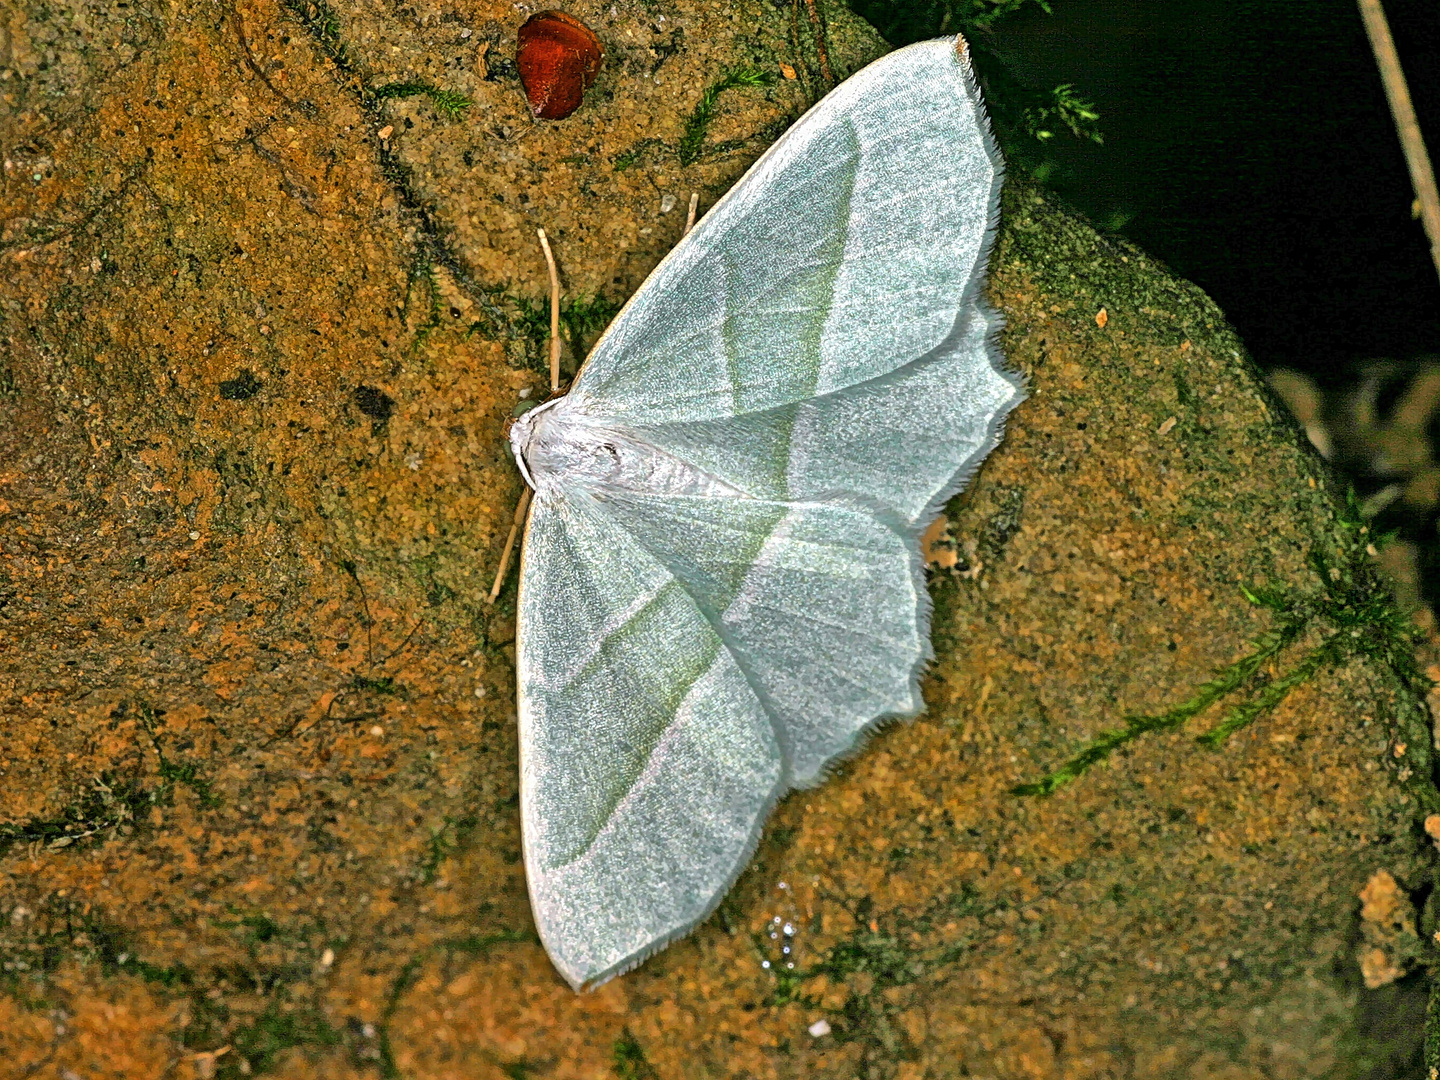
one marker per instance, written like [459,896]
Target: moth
[721,585]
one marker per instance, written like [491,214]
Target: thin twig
[1422,176]
[365,604]
[254,65]
[297,191]
[296,731]
[295,728]
[554,313]
[802,66]
[401,647]
[690,215]
[520,508]
[31,243]
[819,28]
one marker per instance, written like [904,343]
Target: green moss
[628,158]
[444,840]
[173,772]
[628,1061]
[319,18]
[1355,618]
[376,684]
[107,803]
[424,270]
[426,570]
[433,248]
[1183,394]
[1062,106]
[188,773]
[1226,681]
[892,952]
[34,943]
[283,1026]
[582,319]
[692,139]
[698,123]
[112,800]
[448,103]
[257,927]
[252,1006]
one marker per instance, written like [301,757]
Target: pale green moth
[721,585]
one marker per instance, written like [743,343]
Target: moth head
[522,433]
[553,446]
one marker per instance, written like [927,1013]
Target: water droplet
[788,931]
[765,964]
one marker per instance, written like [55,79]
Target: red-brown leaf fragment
[558,58]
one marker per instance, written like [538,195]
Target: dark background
[1247,144]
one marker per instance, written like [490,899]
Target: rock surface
[264,321]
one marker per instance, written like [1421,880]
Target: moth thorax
[558,449]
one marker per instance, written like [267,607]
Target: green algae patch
[1359,618]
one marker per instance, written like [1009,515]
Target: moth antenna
[524,502]
[554,312]
[520,508]
[690,216]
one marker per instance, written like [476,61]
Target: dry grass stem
[1422,176]
[554,312]
[520,508]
